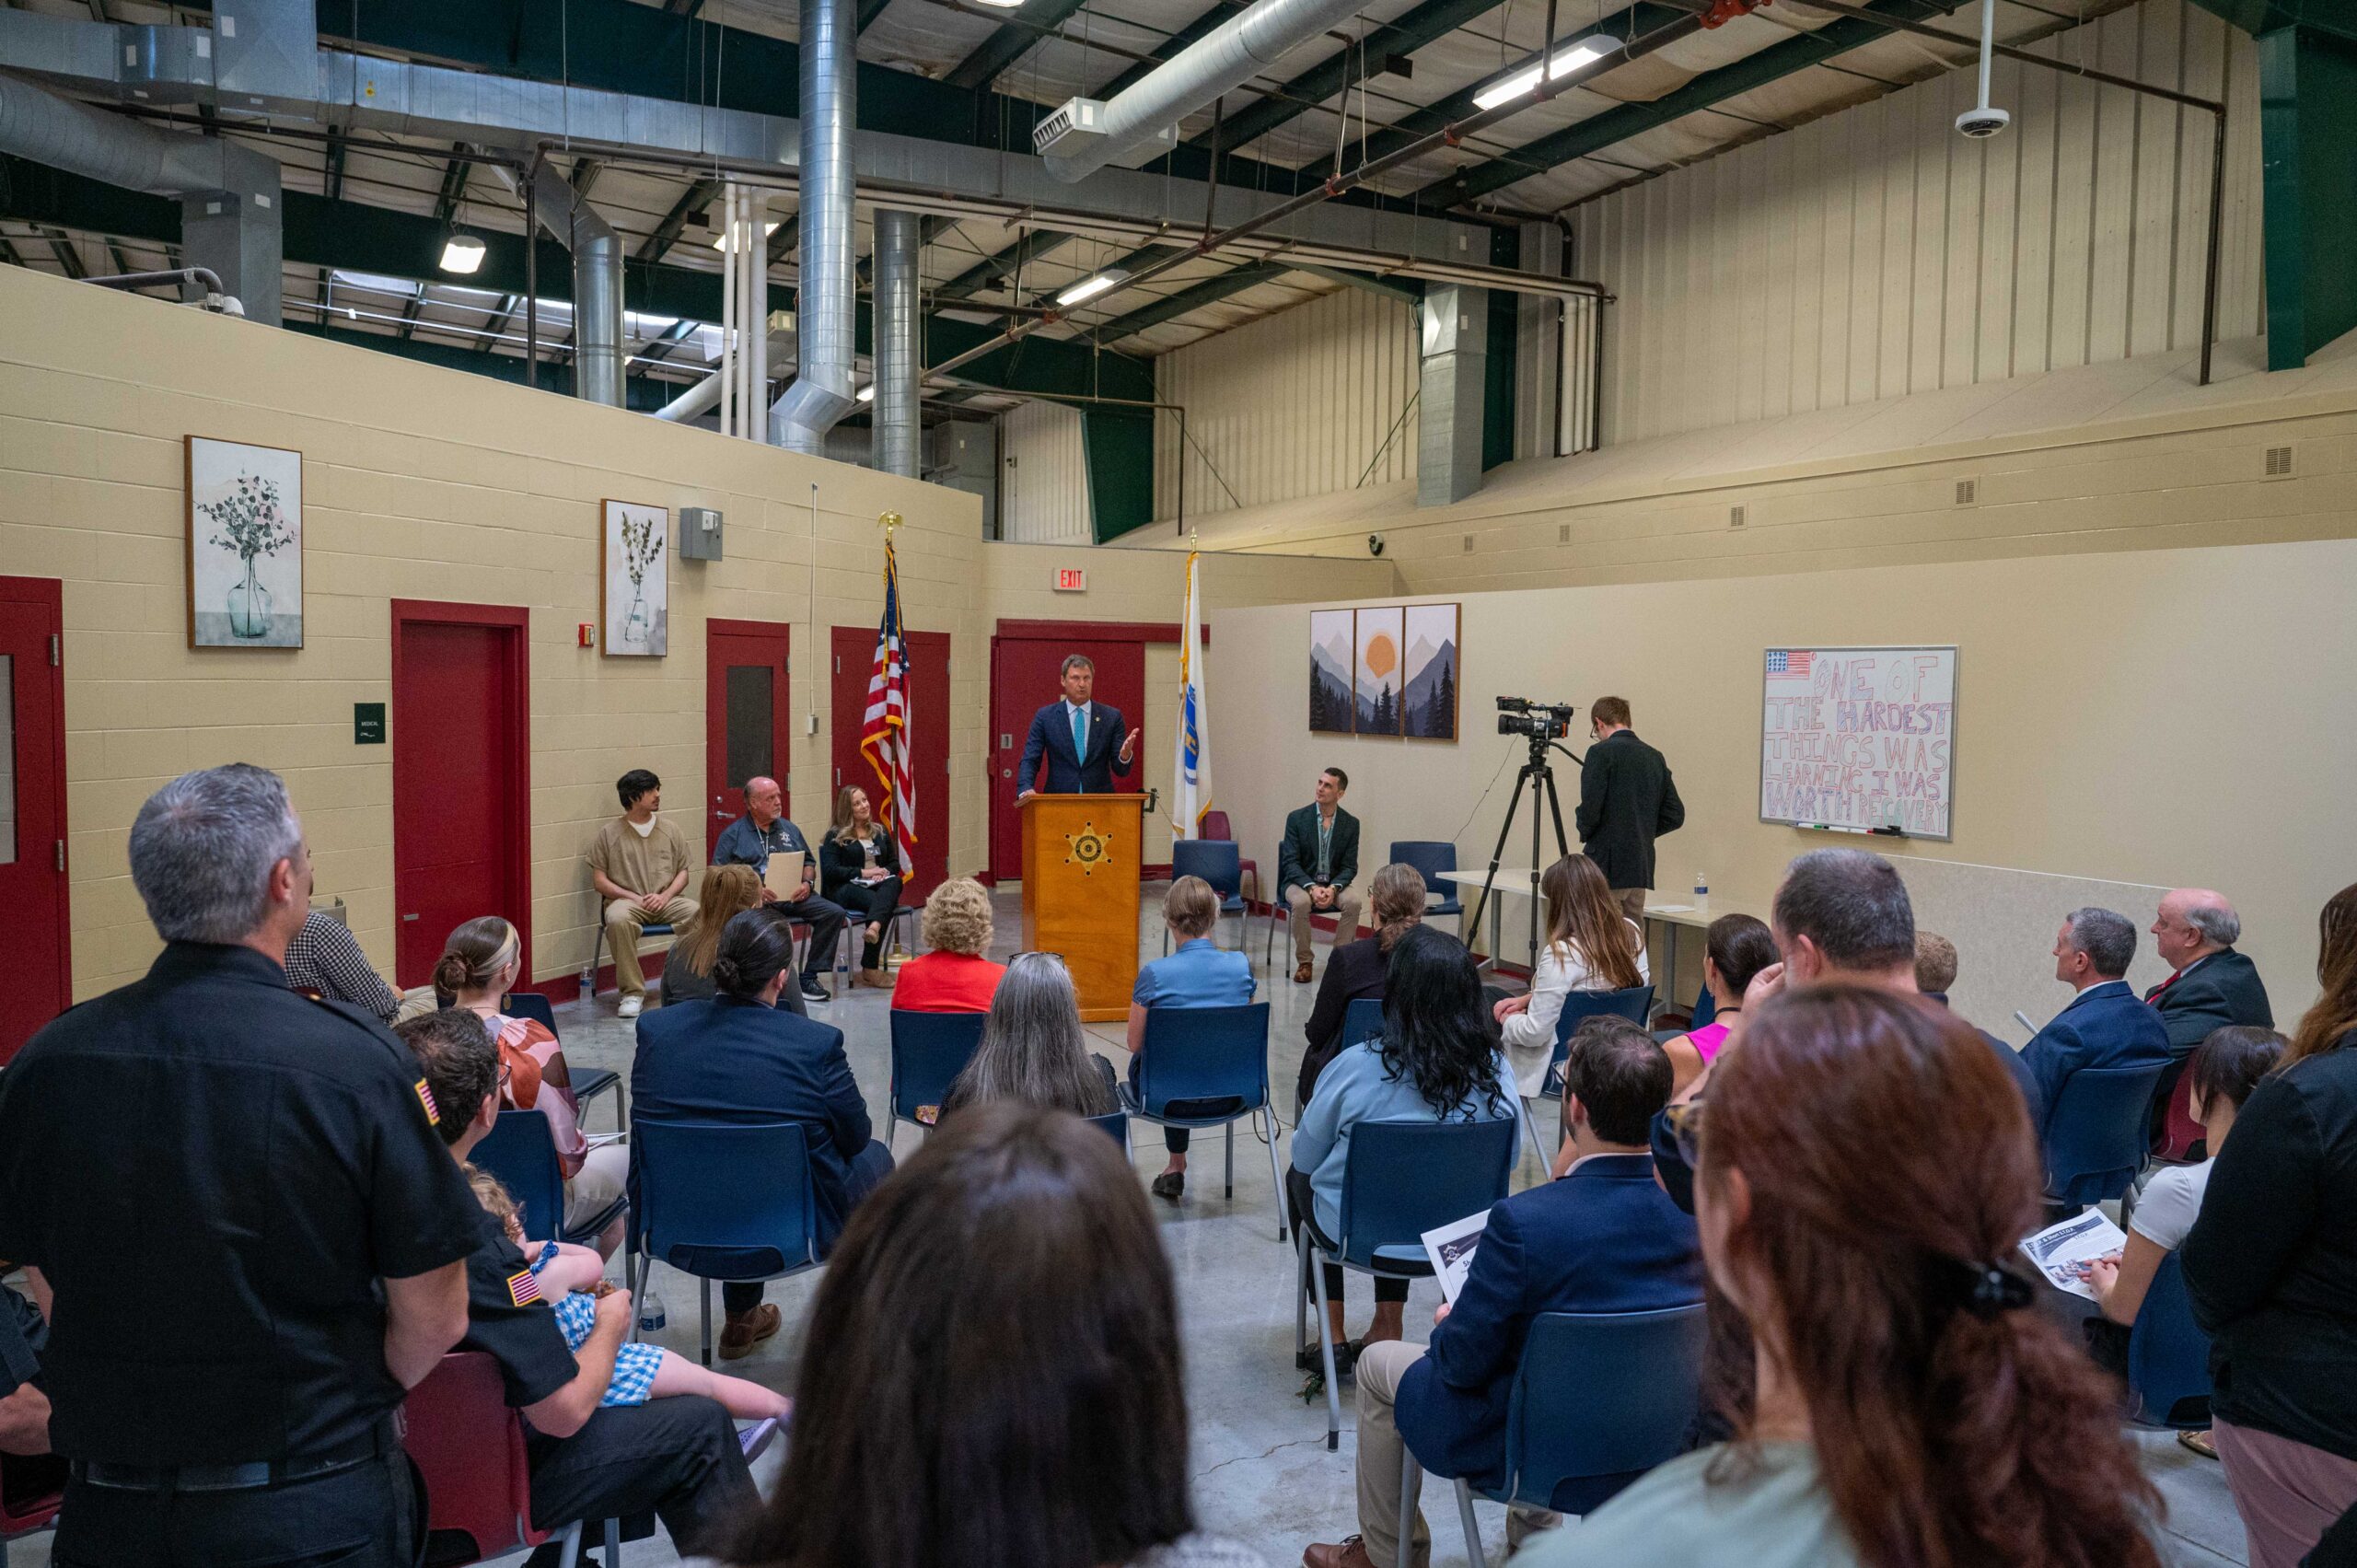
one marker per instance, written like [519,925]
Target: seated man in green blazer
[1315,865]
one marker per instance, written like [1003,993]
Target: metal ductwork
[230,197]
[828,294]
[1454,374]
[596,281]
[899,241]
[1136,124]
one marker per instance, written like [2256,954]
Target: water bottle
[651,1318]
[1701,892]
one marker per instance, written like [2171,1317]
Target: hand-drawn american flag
[885,735]
[1789,661]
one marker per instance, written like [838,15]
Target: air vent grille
[1738,517]
[1468,544]
[1967,491]
[1562,533]
[2279,462]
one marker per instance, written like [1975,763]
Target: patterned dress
[634,1364]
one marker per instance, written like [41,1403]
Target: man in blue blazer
[2105,1025]
[1082,740]
[1602,1238]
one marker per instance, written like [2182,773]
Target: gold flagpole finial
[889,520]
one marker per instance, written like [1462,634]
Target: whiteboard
[1858,740]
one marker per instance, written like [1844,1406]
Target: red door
[37,980]
[1026,673]
[462,780]
[747,732]
[854,666]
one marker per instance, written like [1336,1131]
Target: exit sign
[1071,579]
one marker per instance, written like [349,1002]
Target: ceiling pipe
[704,396]
[597,279]
[826,298]
[898,246]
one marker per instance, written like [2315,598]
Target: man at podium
[1082,740]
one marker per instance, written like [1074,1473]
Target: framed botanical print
[245,545]
[634,590]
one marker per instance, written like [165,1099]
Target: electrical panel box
[699,534]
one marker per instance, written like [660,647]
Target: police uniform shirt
[507,1317]
[215,1172]
[743,843]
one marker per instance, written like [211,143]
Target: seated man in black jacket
[2210,986]
[1316,862]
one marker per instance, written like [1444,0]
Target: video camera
[1539,721]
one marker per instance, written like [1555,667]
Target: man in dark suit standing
[2210,986]
[1626,798]
[1082,740]
[2105,1026]
[1316,862]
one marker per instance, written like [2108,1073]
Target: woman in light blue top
[1438,1060]
[1865,1173]
[1195,973]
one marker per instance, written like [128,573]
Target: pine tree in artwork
[1440,719]
[1386,711]
[1317,719]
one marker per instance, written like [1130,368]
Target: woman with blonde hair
[859,868]
[1591,945]
[727,892]
[952,975]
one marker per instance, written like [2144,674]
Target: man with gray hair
[2209,987]
[2105,1026]
[271,1163]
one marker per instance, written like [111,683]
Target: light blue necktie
[1080,735]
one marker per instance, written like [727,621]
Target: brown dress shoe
[1301,972]
[1349,1553]
[740,1335]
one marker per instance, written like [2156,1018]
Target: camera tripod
[1537,778]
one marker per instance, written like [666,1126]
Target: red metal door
[37,982]
[1025,674]
[748,729]
[461,777]
[853,667]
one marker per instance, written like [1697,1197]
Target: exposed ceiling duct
[826,294]
[596,281]
[899,243]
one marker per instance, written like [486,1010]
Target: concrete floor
[1262,1474]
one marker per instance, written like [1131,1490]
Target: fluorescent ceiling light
[1004,5]
[1089,287]
[720,240]
[461,253]
[1569,58]
[867,393]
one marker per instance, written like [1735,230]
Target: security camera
[1983,122]
[1375,544]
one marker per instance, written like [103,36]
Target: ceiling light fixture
[867,393]
[1569,58]
[462,254]
[1089,287]
[720,240]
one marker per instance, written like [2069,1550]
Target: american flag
[1788,661]
[885,735]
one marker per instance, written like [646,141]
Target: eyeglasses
[1685,1123]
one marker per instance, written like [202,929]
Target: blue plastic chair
[1430,857]
[929,1050]
[1706,1008]
[585,1085]
[1116,1125]
[1599,1398]
[1215,1056]
[521,1151]
[1216,861]
[2096,1129]
[2168,1355]
[1400,1179]
[1636,1003]
[1362,1019]
[725,1201]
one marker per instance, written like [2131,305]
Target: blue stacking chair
[2095,1132]
[1217,1059]
[1599,1398]
[1430,857]
[1636,1003]
[929,1050]
[1706,1008]
[521,1152]
[1116,1125]
[585,1085]
[725,1201]
[1216,861]
[2168,1355]
[1400,1179]
[1362,1019]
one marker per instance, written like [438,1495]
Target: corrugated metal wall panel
[1043,496]
[1300,403]
[1875,252]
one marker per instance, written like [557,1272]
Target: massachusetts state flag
[885,735]
[1191,756]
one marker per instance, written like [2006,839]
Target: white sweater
[1530,1034]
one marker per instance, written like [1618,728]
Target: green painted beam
[1010,41]
[2257,16]
[1211,291]
[869,10]
[2307,126]
[1411,290]
[1006,264]
[691,205]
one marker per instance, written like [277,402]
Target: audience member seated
[1591,945]
[2105,1025]
[858,864]
[725,893]
[1438,1060]
[992,1375]
[2271,1265]
[324,960]
[2223,1071]
[751,840]
[1195,973]
[24,1408]
[1602,1238]
[479,966]
[952,975]
[1935,965]
[591,1457]
[1906,1404]
[2210,986]
[1355,970]
[738,1058]
[1735,949]
[640,865]
[1033,1049]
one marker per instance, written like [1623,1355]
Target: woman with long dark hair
[1866,1176]
[2271,1265]
[1033,1049]
[1591,945]
[1437,1061]
[992,1375]
[859,868]
[1736,947]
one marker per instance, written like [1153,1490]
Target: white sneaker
[633,1006]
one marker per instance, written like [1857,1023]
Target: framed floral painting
[634,590]
[245,545]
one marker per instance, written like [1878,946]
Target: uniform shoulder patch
[425,1098]
[523,1288]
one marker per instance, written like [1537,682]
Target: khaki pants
[623,918]
[1381,1452]
[1632,904]
[1346,919]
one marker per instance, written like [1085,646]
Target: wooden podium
[1080,893]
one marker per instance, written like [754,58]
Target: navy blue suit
[2105,1026]
[1605,1239]
[1068,772]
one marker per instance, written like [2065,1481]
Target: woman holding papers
[1591,945]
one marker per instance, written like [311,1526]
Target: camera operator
[1627,799]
